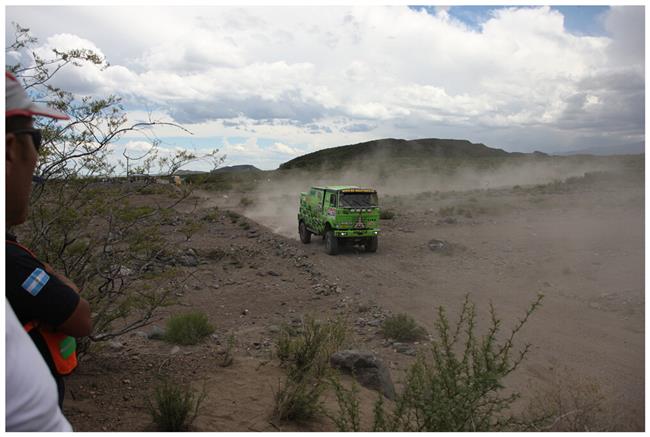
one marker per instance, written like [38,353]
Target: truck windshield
[358,200]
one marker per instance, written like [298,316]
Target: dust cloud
[275,201]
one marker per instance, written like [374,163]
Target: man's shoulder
[14,250]
[21,262]
[34,293]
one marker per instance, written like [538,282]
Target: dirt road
[583,250]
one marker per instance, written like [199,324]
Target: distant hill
[188,172]
[626,149]
[237,169]
[393,150]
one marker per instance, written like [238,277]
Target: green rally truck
[341,214]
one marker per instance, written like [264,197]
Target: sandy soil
[583,249]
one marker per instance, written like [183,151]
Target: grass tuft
[386,214]
[188,329]
[305,354]
[402,327]
[175,407]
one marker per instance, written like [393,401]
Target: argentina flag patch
[36,281]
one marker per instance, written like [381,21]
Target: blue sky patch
[580,20]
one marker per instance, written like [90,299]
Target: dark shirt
[37,296]
[34,294]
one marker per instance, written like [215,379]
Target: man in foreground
[45,303]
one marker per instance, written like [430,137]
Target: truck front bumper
[356,233]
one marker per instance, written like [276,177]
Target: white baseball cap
[19,103]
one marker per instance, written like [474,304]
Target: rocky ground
[581,246]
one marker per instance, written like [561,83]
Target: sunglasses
[37,137]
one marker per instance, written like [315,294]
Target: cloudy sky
[267,84]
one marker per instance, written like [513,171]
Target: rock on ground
[367,368]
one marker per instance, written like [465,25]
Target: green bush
[227,358]
[402,327]
[298,400]
[189,228]
[188,329]
[459,387]
[304,354]
[233,216]
[217,254]
[245,202]
[211,216]
[386,214]
[308,350]
[447,211]
[155,189]
[349,416]
[175,407]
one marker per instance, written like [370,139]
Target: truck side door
[329,203]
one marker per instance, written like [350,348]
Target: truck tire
[371,244]
[305,235]
[331,243]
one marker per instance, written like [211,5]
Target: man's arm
[79,323]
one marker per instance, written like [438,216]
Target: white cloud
[341,74]
[285,149]
[137,147]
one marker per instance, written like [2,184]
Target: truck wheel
[331,243]
[305,235]
[371,244]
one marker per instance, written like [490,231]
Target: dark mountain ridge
[237,169]
[395,149]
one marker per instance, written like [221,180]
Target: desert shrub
[216,254]
[424,195]
[570,403]
[402,327]
[155,189]
[233,216]
[304,354]
[227,358]
[175,407]
[386,214]
[297,400]
[308,349]
[447,211]
[211,216]
[189,228]
[349,416]
[188,329]
[244,225]
[459,385]
[245,202]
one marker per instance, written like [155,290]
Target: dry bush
[386,214]
[304,354]
[572,403]
[227,358]
[175,407]
[402,327]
